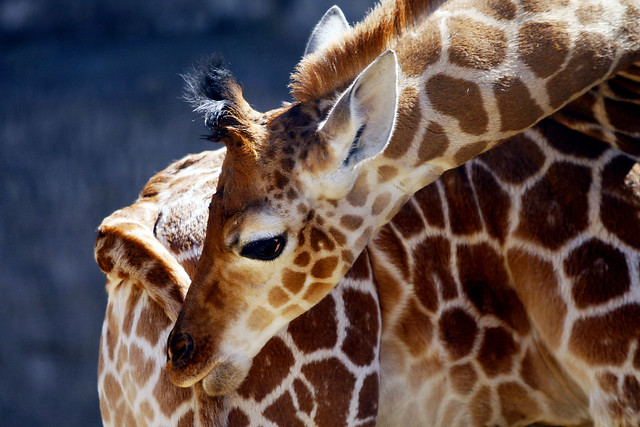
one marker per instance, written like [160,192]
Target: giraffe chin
[225,377]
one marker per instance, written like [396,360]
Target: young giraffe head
[274,246]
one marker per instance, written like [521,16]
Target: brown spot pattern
[543,46]
[494,202]
[302,259]
[515,160]
[358,195]
[351,222]
[517,109]
[142,367]
[419,49]
[269,368]
[460,99]
[389,242]
[620,205]
[170,401]
[280,180]
[368,397]
[476,45]
[486,283]
[429,201]
[293,280]
[159,276]
[408,221]
[283,412]
[113,331]
[591,59]
[237,418]
[537,284]
[380,203]
[457,330]
[605,339]
[415,329]
[152,322]
[463,212]
[569,141]
[497,351]
[362,332]
[317,328]
[338,236]
[463,378]
[277,297]
[469,151]
[631,393]
[599,272]
[434,143]
[259,319]
[389,290]
[187,419]
[517,406]
[432,267]
[608,382]
[324,267]
[333,385]
[132,302]
[361,268]
[481,407]
[556,208]
[320,241]
[303,396]
[409,118]
[623,115]
[316,291]
[386,173]
[499,9]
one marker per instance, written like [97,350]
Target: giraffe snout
[179,348]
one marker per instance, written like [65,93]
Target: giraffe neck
[475,73]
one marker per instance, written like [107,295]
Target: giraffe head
[286,222]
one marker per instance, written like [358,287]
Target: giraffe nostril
[180,348]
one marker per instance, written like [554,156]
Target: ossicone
[213,92]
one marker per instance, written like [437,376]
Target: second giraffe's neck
[490,75]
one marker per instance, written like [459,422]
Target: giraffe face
[278,236]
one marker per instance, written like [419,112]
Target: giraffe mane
[334,67]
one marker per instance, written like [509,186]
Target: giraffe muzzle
[179,348]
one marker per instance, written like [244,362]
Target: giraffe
[495,373]
[322,369]
[305,187]
[605,133]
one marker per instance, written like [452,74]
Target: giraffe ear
[359,126]
[331,26]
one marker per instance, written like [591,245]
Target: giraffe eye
[264,249]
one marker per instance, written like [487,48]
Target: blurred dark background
[90,108]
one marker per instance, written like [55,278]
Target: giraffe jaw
[226,377]
[218,377]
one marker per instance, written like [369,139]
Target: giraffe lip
[217,377]
[186,373]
